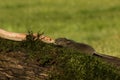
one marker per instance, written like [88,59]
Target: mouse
[81,47]
[86,49]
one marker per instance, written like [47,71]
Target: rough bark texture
[17,66]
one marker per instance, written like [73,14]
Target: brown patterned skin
[83,48]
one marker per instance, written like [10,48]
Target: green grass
[95,22]
[64,64]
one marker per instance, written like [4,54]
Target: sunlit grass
[93,22]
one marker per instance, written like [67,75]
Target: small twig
[22,36]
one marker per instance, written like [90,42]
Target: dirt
[17,66]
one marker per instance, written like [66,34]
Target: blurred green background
[95,22]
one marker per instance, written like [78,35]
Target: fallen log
[22,36]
